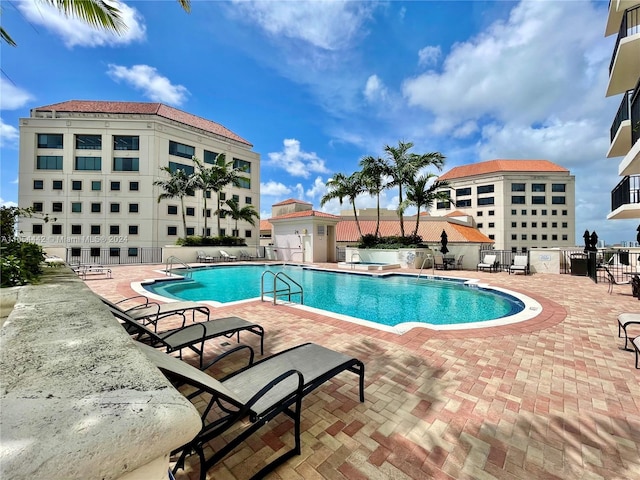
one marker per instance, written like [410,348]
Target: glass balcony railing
[627,192]
[630,25]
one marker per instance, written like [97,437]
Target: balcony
[625,198]
[616,11]
[621,128]
[624,68]
[630,164]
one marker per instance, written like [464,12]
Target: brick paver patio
[554,397]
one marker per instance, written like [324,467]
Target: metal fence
[114,255]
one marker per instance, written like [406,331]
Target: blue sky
[315,86]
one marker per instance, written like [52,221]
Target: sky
[316,86]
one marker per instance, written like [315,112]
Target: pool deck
[553,397]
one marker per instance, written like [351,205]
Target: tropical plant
[374,173]
[246,213]
[341,187]
[403,166]
[179,184]
[99,14]
[422,192]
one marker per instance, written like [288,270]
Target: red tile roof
[265,225]
[494,166]
[457,213]
[306,213]
[290,201]
[143,108]
[429,230]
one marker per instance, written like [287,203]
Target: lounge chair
[192,336]
[624,320]
[259,392]
[489,262]
[438,262]
[244,255]
[153,312]
[226,257]
[459,262]
[613,281]
[203,257]
[636,346]
[520,264]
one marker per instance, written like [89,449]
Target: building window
[236,198]
[558,200]
[242,165]
[88,163]
[50,140]
[534,212]
[534,224]
[463,203]
[443,204]
[188,169]
[94,252]
[247,234]
[132,252]
[538,200]
[554,237]
[133,208]
[514,212]
[122,164]
[206,233]
[544,237]
[247,200]
[565,237]
[114,251]
[172,209]
[565,225]
[38,184]
[48,162]
[485,201]
[57,184]
[462,192]
[172,231]
[524,212]
[554,224]
[76,207]
[96,185]
[484,189]
[56,207]
[244,182]
[89,142]
[37,229]
[56,229]
[534,237]
[75,252]
[76,229]
[223,196]
[115,186]
[76,185]
[517,199]
[114,208]
[235,233]
[207,213]
[181,150]
[38,207]
[134,186]
[514,224]
[190,212]
[480,225]
[223,231]
[126,142]
[191,231]
[114,229]
[524,236]
[565,213]
[554,212]
[210,157]
[517,187]
[492,213]
[538,187]
[558,187]
[544,224]
[524,224]
[492,225]
[133,229]
[207,194]
[514,236]
[479,213]
[95,207]
[95,229]
[514,249]
[492,237]
[543,212]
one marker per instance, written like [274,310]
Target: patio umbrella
[594,242]
[587,240]
[443,241]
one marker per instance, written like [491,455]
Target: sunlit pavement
[554,397]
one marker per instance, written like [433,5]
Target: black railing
[630,25]
[114,255]
[623,113]
[634,114]
[627,192]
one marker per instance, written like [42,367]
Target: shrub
[389,243]
[21,263]
[222,241]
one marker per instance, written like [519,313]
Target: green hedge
[222,241]
[390,243]
[20,263]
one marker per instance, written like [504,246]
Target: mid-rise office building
[91,166]
[519,204]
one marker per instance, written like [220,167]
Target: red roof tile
[457,213]
[265,225]
[493,166]
[290,201]
[305,213]
[143,108]
[429,230]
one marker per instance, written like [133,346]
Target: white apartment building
[520,204]
[624,79]
[90,166]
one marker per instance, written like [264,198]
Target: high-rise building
[624,79]
[519,204]
[91,166]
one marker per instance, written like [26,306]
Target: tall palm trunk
[400,210]
[184,217]
[355,215]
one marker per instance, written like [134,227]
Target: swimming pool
[395,302]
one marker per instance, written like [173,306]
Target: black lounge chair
[191,336]
[259,392]
[613,281]
[636,345]
[624,320]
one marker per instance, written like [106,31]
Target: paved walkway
[554,397]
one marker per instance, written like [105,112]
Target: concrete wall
[78,399]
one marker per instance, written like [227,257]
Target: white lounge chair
[520,264]
[489,262]
[228,258]
[203,257]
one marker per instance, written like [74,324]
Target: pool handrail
[173,259]
[275,291]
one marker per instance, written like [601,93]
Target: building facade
[519,204]
[91,166]
[624,79]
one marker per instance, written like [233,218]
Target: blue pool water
[387,300]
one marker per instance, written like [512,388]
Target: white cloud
[7,203]
[295,161]
[12,97]
[16,181]
[153,85]
[375,90]
[317,189]
[9,135]
[429,56]
[74,32]
[275,189]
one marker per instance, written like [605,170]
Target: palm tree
[341,187]
[96,13]
[404,166]
[374,171]
[421,194]
[178,185]
[246,213]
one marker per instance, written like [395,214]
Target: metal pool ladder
[427,256]
[173,259]
[285,281]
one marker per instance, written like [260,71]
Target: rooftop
[495,166]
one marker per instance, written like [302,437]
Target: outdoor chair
[203,257]
[520,264]
[244,255]
[226,257]
[459,262]
[438,262]
[489,262]
[636,346]
[153,312]
[613,281]
[259,392]
[624,320]
[192,336]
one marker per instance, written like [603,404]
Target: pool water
[388,300]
